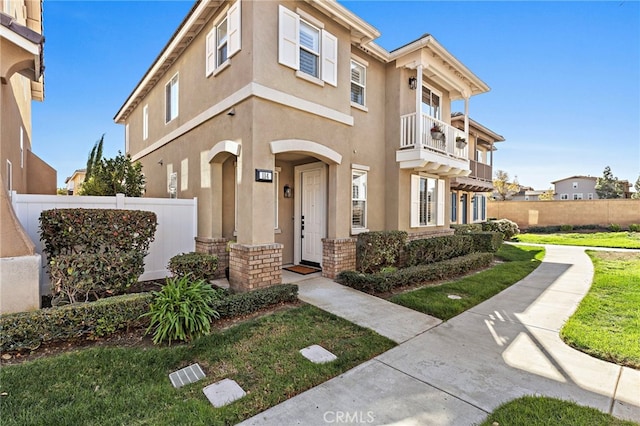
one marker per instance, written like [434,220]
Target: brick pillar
[216,247]
[338,255]
[253,267]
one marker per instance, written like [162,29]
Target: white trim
[355,166]
[299,145]
[311,79]
[21,147]
[21,42]
[230,147]
[360,107]
[210,52]
[251,89]
[329,58]
[145,122]
[169,84]
[288,38]
[308,17]
[223,66]
[360,173]
[234,29]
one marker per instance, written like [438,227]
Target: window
[483,208]
[307,47]
[590,196]
[21,147]
[9,176]
[223,41]
[431,103]
[358,82]
[358,199]
[126,137]
[171,99]
[577,196]
[454,207]
[276,196]
[564,196]
[475,205]
[427,201]
[145,122]
[575,185]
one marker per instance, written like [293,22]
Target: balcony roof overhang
[484,132]
[466,183]
[440,66]
[22,53]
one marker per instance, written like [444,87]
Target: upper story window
[358,82]
[304,45]
[171,99]
[431,103]
[224,40]
[575,185]
[145,122]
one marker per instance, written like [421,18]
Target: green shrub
[384,281]
[75,277]
[182,310]
[437,249]
[566,228]
[28,330]
[614,227]
[98,251]
[507,227]
[376,250]
[467,228]
[202,266]
[634,227]
[486,241]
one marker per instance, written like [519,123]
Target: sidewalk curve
[457,372]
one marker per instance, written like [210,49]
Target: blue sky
[564,76]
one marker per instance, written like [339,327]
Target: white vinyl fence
[175,234]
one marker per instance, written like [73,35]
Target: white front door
[311,221]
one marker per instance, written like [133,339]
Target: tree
[112,176]
[503,187]
[636,186]
[609,186]
[546,195]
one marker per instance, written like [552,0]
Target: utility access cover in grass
[187,375]
[317,354]
[223,392]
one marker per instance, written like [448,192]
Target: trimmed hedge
[28,330]
[467,228]
[437,249]
[202,266]
[507,227]
[378,250]
[384,281]
[486,241]
[98,251]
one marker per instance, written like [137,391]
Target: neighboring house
[21,81]
[527,193]
[75,181]
[583,188]
[469,193]
[296,132]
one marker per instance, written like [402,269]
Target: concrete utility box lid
[187,375]
[223,392]
[317,354]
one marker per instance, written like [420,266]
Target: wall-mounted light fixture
[232,112]
[161,162]
[288,191]
[413,83]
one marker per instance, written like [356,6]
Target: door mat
[302,270]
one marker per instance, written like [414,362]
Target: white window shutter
[234,22]
[415,201]
[288,38]
[329,58]
[210,57]
[441,199]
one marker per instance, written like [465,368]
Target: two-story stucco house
[583,188]
[297,132]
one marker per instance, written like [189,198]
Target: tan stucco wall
[585,212]
[15,111]
[42,178]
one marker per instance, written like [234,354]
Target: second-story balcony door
[431,103]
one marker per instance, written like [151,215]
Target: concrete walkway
[459,371]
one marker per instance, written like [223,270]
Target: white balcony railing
[446,146]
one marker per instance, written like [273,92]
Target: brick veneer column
[252,267]
[338,255]
[216,247]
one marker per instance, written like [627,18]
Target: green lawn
[543,411]
[597,239]
[520,261]
[607,322]
[116,386]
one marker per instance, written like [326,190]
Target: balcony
[480,179]
[420,150]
